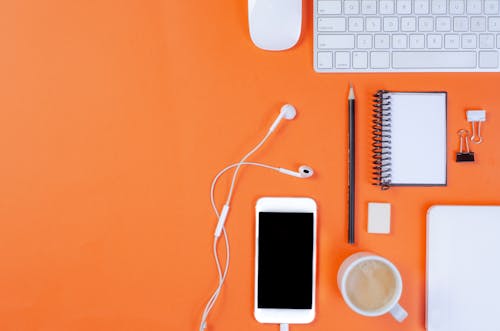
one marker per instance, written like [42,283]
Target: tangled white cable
[288,112]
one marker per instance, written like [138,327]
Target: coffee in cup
[371,285]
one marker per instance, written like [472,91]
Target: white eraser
[476,115]
[379,217]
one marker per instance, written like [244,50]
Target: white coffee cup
[361,260]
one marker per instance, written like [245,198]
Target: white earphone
[288,112]
[304,172]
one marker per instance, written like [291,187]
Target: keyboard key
[425,24]
[387,7]
[333,24]
[351,7]
[403,7]
[390,24]
[373,24]
[451,41]
[368,7]
[335,41]
[498,41]
[342,60]
[469,41]
[329,7]
[439,7]
[443,24]
[474,7]
[494,24]
[379,60]
[488,59]
[325,60]
[457,7]
[460,24]
[491,7]
[422,7]
[486,41]
[434,41]
[382,41]
[355,24]
[364,41]
[399,41]
[477,24]
[417,41]
[408,24]
[437,60]
[360,60]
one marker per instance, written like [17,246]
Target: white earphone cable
[222,277]
[223,274]
[259,145]
[239,164]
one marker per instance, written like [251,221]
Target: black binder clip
[464,155]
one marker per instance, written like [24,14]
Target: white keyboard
[406,35]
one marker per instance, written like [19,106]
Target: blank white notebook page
[418,141]
[463,269]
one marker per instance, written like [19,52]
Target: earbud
[287,111]
[304,172]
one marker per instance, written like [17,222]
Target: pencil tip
[351,92]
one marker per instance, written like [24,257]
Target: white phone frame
[285,205]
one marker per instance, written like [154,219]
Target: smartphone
[285,260]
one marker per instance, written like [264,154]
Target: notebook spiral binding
[381,146]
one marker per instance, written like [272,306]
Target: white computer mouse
[275,24]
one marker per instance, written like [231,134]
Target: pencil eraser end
[379,217]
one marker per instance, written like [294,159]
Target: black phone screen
[285,260]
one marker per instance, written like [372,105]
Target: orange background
[115,116]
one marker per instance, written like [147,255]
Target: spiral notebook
[409,138]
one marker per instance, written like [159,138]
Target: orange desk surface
[115,116]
